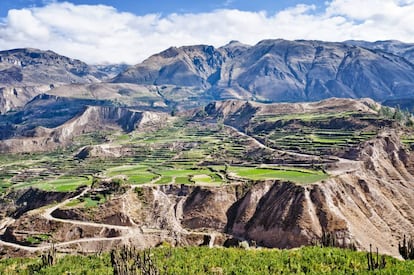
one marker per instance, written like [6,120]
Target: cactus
[406,249]
[130,261]
[330,239]
[375,263]
[49,258]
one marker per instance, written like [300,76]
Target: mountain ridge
[279,71]
[273,70]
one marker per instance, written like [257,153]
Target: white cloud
[98,34]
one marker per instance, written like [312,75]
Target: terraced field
[282,173]
[316,134]
[189,152]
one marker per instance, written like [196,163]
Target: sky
[128,31]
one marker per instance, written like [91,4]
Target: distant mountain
[25,73]
[109,70]
[191,76]
[32,67]
[399,48]
[280,71]
[49,121]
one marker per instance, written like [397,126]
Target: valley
[278,175]
[271,146]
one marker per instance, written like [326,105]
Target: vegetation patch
[37,239]
[62,184]
[136,174]
[94,200]
[305,116]
[282,173]
[203,260]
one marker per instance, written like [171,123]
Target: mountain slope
[276,175]
[32,67]
[279,70]
[44,131]
[396,47]
[25,73]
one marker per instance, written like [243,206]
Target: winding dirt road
[127,232]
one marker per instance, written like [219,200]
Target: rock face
[279,70]
[18,202]
[43,111]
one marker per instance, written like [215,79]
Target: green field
[136,174]
[190,176]
[289,174]
[61,184]
[202,260]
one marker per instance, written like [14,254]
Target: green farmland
[282,173]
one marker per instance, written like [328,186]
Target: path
[47,214]
[128,232]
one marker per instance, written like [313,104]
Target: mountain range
[185,77]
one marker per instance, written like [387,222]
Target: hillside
[182,150]
[49,122]
[25,73]
[277,175]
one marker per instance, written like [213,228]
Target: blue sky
[109,31]
[140,7]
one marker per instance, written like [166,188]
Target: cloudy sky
[128,31]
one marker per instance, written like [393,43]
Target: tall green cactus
[131,261]
[374,263]
[406,249]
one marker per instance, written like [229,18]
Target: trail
[5,223]
[173,213]
[46,247]
[47,214]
